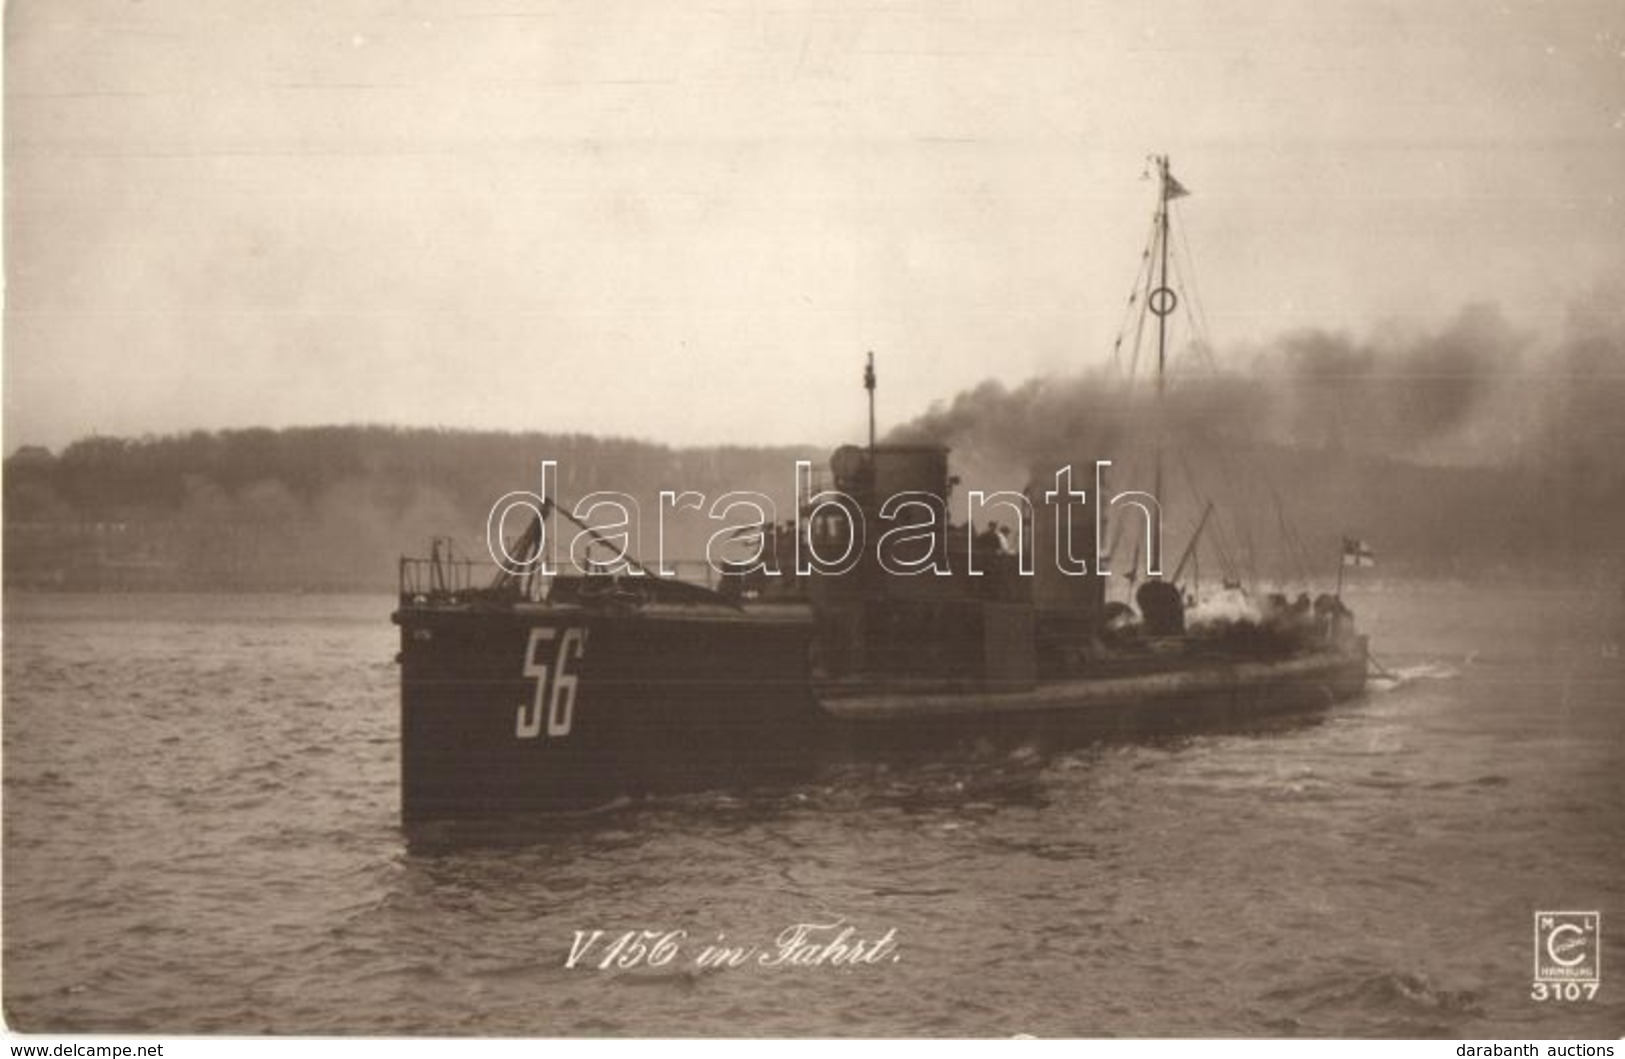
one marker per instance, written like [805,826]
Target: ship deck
[1326,675]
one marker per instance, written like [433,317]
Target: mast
[1159,298]
[1161,302]
[869,384]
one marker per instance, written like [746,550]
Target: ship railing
[443,580]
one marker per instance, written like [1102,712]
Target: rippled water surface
[201,836]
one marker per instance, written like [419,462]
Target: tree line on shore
[335,507]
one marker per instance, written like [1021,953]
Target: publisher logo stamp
[1568,948]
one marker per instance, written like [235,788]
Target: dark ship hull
[501,711]
[526,707]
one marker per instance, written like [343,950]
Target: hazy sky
[688,221]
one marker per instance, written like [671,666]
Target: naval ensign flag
[1357,553]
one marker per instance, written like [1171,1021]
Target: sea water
[202,836]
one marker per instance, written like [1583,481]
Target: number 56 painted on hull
[554,699]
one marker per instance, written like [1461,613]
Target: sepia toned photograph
[954,519]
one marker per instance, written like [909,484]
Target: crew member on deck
[988,539]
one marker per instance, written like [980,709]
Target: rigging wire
[1135,301]
[1195,308]
[1145,305]
[1137,309]
[1226,567]
[1293,541]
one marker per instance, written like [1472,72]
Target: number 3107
[555,697]
[1564,991]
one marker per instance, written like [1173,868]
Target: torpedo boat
[873,622]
